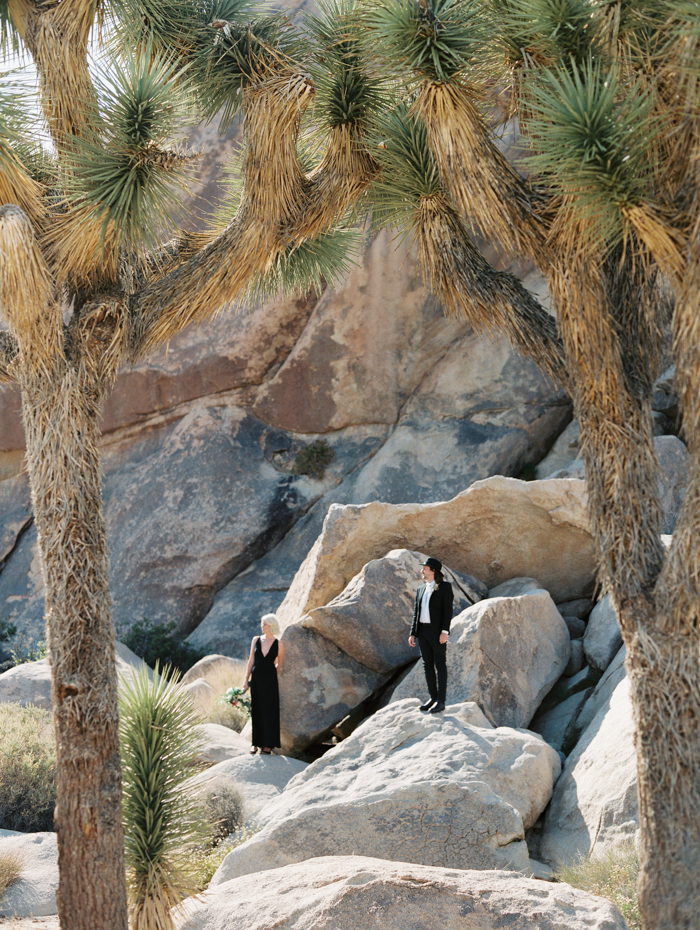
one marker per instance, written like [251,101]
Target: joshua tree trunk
[63,463]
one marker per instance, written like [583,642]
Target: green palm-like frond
[592,144]
[159,745]
[165,26]
[231,55]
[408,170]
[129,179]
[433,40]
[346,93]
[325,259]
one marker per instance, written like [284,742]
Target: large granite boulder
[319,685]
[497,529]
[34,894]
[448,790]
[200,444]
[30,683]
[219,743]
[594,805]
[371,619]
[504,653]
[355,891]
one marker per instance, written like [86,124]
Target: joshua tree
[606,96]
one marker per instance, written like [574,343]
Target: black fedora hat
[435,564]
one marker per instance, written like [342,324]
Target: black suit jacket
[440,608]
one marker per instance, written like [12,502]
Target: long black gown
[265,697]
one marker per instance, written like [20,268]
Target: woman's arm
[280,654]
[251,660]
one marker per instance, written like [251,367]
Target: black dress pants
[434,655]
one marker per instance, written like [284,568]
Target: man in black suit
[432,615]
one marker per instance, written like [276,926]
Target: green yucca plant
[161,822]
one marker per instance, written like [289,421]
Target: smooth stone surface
[371,619]
[215,668]
[594,805]
[220,743]
[319,685]
[444,789]
[35,892]
[504,653]
[613,675]
[497,529]
[202,695]
[30,683]
[259,779]
[580,607]
[564,451]
[575,626]
[343,892]
[602,638]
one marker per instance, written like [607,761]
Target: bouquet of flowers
[237,697]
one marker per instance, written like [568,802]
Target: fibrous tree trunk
[61,394]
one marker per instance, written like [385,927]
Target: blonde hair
[272,622]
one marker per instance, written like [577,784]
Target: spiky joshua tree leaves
[409,99]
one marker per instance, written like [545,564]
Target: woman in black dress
[266,655]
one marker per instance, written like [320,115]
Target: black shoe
[428,704]
[438,709]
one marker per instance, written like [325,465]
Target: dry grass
[221,679]
[10,870]
[612,875]
[27,769]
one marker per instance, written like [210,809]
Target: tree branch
[280,206]
[27,294]
[470,289]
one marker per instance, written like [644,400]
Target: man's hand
[443,638]
[411,641]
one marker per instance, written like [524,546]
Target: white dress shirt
[425,601]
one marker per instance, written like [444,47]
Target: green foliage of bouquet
[238,698]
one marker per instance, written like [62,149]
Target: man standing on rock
[432,615]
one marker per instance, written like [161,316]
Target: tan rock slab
[343,892]
[497,529]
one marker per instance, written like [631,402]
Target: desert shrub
[314,459]
[27,769]
[158,643]
[611,874]
[226,715]
[224,809]
[10,870]
[206,860]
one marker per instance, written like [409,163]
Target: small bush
[225,812]
[222,679]
[314,459]
[27,769]
[226,715]
[612,875]
[158,642]
[205,860]
[10,870]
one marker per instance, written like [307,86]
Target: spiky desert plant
[162,823]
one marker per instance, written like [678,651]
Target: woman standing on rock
[266,655]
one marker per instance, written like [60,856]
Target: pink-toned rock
[497,529]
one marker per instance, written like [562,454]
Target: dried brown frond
[20,12]
[483,185]
[344,174]
[170,159]
[470,289]
[28,298]
[16,187]
[96,340]
[9,351]
[80,249]
[686,344]
[665,242]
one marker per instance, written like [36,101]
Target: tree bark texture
[61,423]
